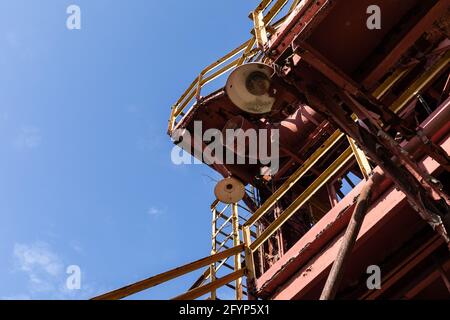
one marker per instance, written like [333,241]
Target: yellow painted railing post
[361,159]
[237,257]
[260,29]
[249,263]
[213,251]
[199,86]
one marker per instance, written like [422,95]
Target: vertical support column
[236,242]
[249,263]
[261,251]
[212,267]
[361,158]
[332,193]
[260,28]
[199,86]
[279,234]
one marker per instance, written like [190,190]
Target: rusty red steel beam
[423,177]
[329,227]
[424,180]
[314,58]
[406,42]
[314,269]
[403,268]
[339,78]
[320,93]
[442,269]
[304,52]
[419,280]
[422,285]
[425,281]
[298,25]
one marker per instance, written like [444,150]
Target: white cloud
[28,138]
[154,211]
[39,263]
[37,255]
[46,273]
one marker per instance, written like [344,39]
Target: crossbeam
[168,275]
[220,282]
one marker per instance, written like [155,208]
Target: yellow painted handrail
[304,168]
[341,161]
[233,59]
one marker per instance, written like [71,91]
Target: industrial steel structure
[363,117]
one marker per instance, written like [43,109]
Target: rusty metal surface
[387,215]
[313,55]
[335,220]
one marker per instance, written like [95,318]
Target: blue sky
[85,172]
